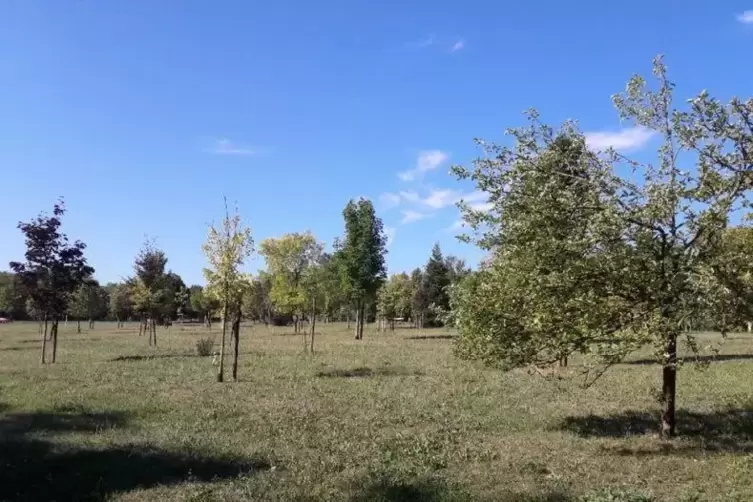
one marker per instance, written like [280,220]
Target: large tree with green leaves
[121,307]
[12,298]
[89,301]
[361,256]
[53,270]
[597,253]
[226,250]
[435,284]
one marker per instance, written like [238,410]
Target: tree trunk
[358,324]
[54,340]
[347,316]
[91,323]
[236,342]
[750,326]
[154,331]
[78,327]
[313,322]
[361,320]
[669,388]
[141,325]
[221,367]
[44,340]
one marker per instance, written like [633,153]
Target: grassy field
[392,417]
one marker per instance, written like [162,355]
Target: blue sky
[143,114]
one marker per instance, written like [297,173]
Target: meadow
[392,417]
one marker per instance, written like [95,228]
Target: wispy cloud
[224,146]
[437,198]
[411,216]
[632,138]
[746,17]
[427,160]
[458,46]
[390,232]
[389,200]
[427,42]
[456,225]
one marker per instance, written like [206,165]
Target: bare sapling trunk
[141,325]
[313,322]
[78,326]
[221,366]
[236,341]
[54,339]
[91,323]
[347,316]
[361,320]
[44,339]
[669,388]
[154,331]
[358,324]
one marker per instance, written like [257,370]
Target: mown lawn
[392,417]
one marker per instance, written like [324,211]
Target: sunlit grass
[392,417]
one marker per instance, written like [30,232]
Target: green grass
[388,418]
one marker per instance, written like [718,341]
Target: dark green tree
[53,270]
[435,285]
[362,257]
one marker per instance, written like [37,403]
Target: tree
[362,256]
[435,285]
[12,298]
[89,301]
[257,303]
[288,259]
[394,298]
[120,303]
[147,293]
[643,241]
[53,269]
[226,250]
[457,269]
[419,303]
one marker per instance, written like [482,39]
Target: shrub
[204,347]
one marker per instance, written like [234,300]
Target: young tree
[643,243]
[226,250]
[89,301]
[362,256]
[147,293]
[435,284]
[53,269]
[120,303]
[288,259]
[419,303]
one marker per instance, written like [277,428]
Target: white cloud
[457,225]
[628,139]
[410,196]
[438,199]
[224,146]
[428,160]
[746,17]
[411,216]
[457,46]
[390,232]
[389,200]
[483,206]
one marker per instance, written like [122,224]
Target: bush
[204,347]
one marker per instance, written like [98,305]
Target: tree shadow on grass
[39,469]
[149,357]
[430,337]
[13,349]
[729,430]
[364,372]
[702,359]
[435,490]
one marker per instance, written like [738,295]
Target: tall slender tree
[53,269]
[362,256]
